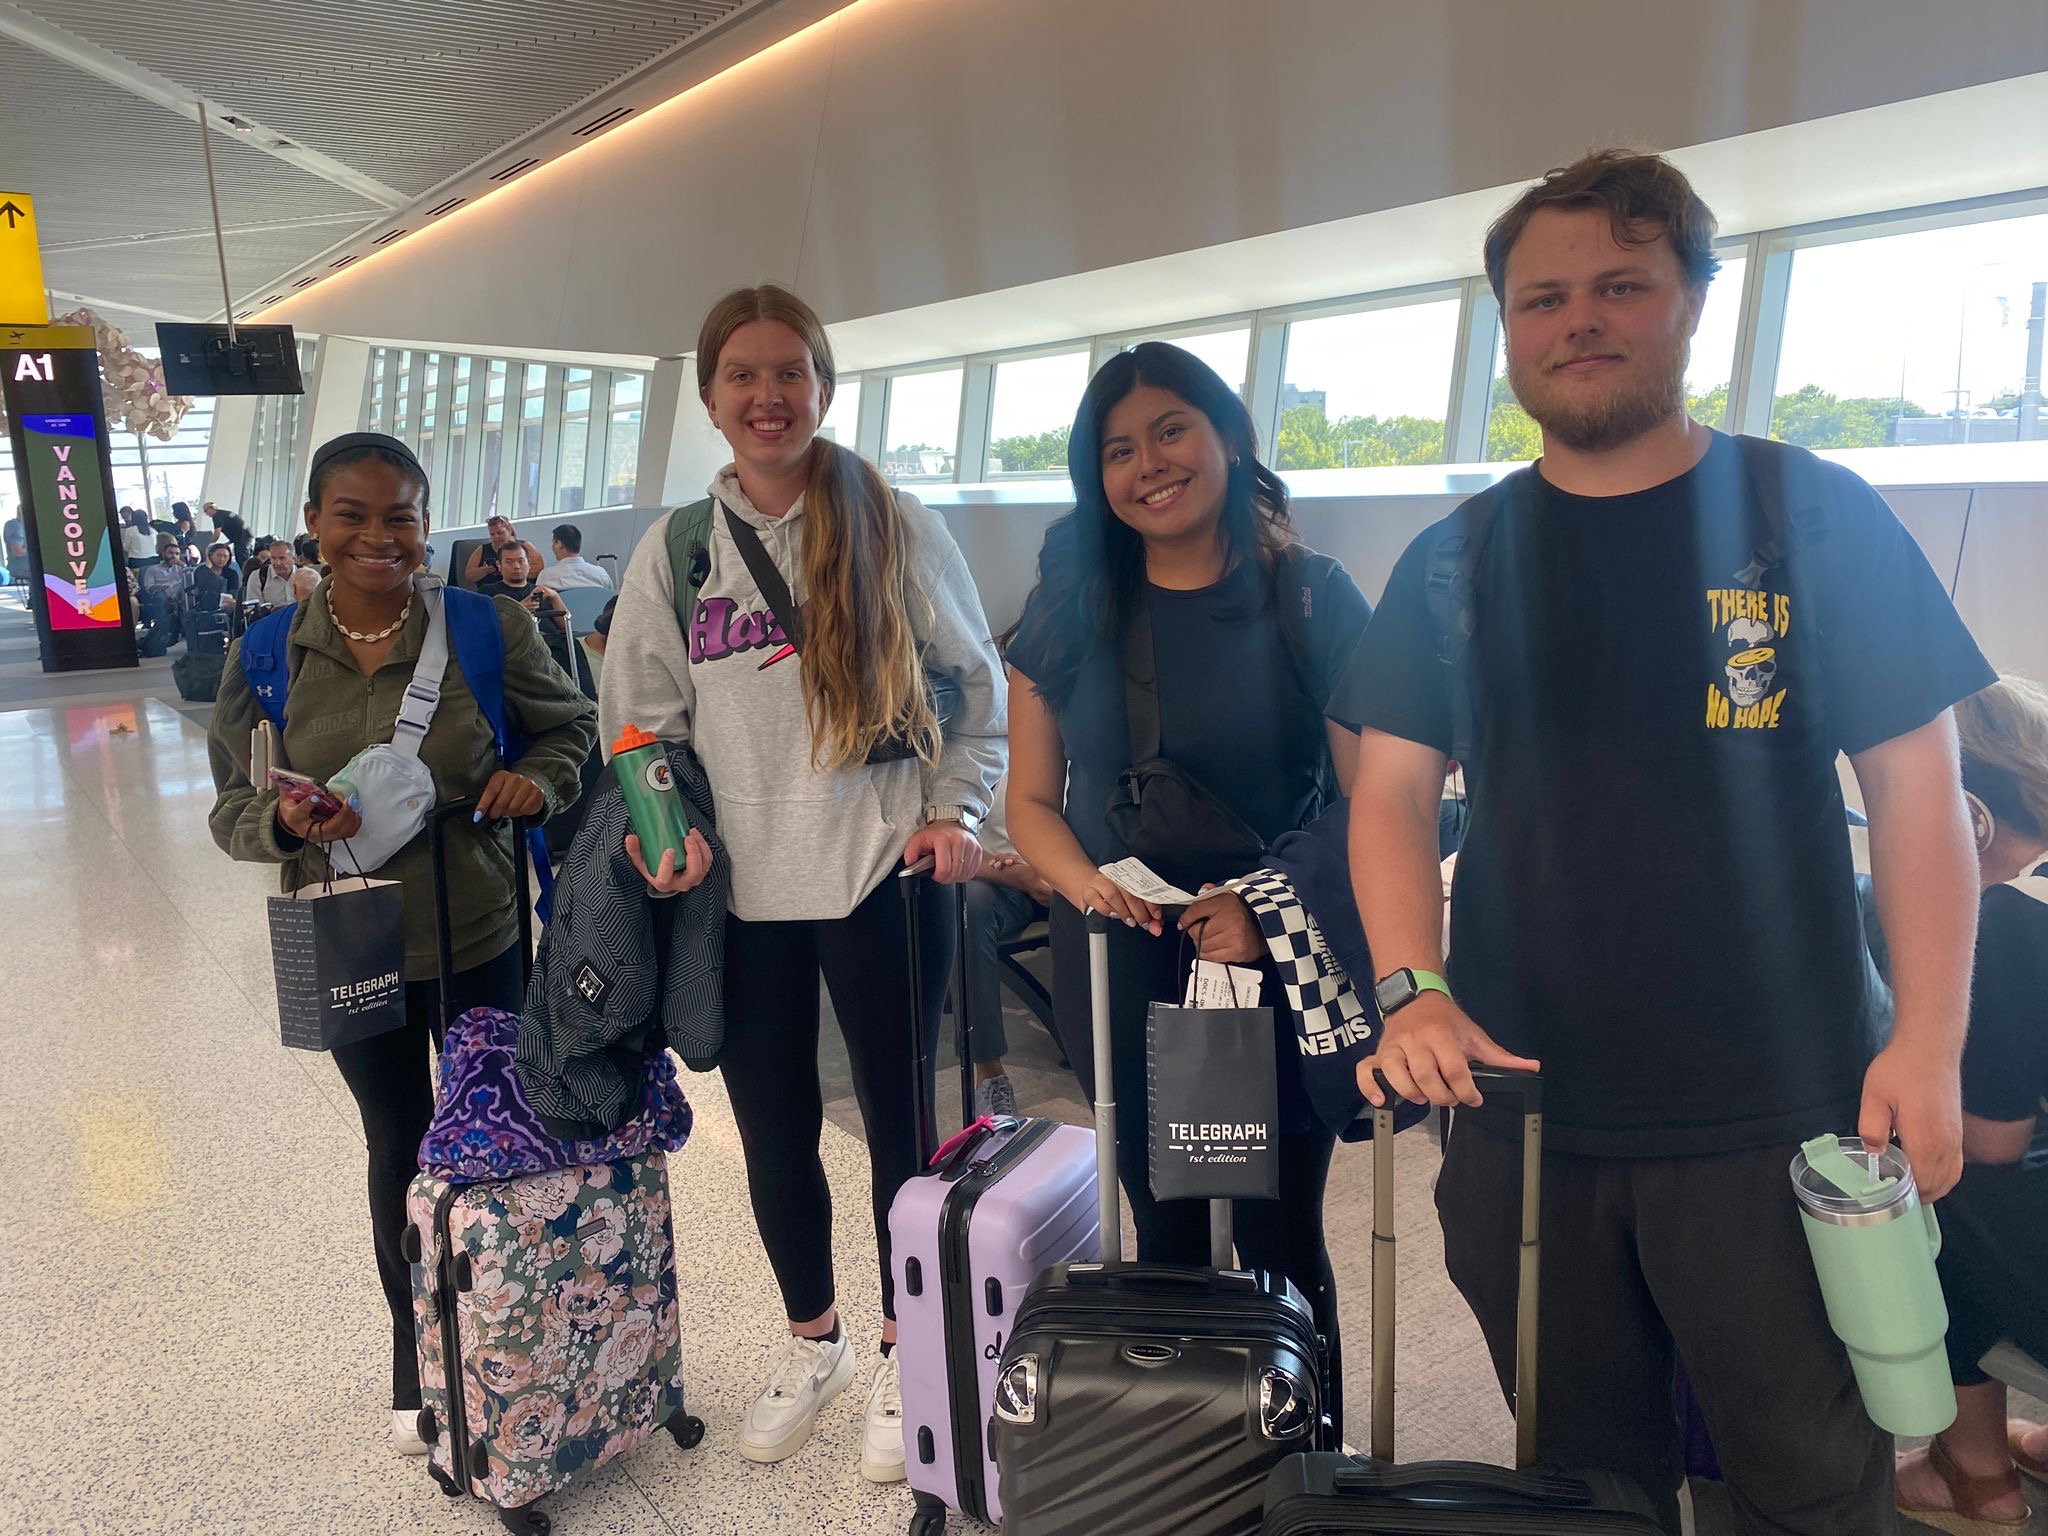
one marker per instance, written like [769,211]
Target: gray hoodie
[805,843]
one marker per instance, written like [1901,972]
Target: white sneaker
[881,1438]
[803,1376]
[405,1432]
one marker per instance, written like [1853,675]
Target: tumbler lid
[1839,1180]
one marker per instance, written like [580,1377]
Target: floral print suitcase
[551,1298]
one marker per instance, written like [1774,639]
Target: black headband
[348,440]
[2000,791]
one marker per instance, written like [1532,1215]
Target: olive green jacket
[334,711]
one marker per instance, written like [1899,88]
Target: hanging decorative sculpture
[132,384]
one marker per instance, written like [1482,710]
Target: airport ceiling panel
[410,92]
[114,174]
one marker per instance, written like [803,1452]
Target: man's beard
[1604,422]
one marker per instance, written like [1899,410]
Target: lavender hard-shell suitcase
[1003,1201]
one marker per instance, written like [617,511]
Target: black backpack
[197,674]
[1785,482]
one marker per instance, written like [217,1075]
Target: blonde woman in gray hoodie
[830,773]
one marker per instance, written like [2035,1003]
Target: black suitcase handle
[1434,1481]
[444,943]
[1166,1276]
[924,1060]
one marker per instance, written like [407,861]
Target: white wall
[910,152]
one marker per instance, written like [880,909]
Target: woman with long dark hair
[830,772]
[1178,527]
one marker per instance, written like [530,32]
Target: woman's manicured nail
[479,816]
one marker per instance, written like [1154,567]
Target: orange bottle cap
[631,737]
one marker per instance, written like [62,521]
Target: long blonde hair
[863,677]
[2006,727]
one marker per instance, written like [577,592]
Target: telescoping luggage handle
[923,1051]
[1527,1089]
[1108,1197]
[437,840]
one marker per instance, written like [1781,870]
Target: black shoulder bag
[1158,810]
[943,687]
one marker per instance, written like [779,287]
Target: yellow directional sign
[22,299]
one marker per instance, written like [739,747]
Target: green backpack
[689,556]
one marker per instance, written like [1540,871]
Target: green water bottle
[659,818]
[1873,1246]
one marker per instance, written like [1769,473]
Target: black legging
[1994,1263]
[1283,1235]
[770,1065]
[388,1074]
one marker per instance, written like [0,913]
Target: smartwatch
[960,815]
[1404,986]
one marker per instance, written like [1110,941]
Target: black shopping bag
[1212,1088]
[338,950]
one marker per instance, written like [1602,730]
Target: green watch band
[1402,987]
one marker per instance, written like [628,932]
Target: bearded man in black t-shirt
[1655,899]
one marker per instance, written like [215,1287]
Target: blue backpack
[479,647]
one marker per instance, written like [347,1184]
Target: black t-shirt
[1235,709]
[1655,894]
[2005,1062]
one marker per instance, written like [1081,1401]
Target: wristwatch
[960,815]
[1404,986]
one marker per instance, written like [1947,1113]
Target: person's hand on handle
[296,817]
[509,794]
[1223,928]
[665,879]
[1104,895]
[1426,1051]
[955,852]
[1916,1096]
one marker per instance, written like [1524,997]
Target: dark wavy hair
[1092,561]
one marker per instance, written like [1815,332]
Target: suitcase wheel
[930,1519]
[687,1431]
[530,1519]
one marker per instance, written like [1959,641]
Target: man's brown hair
[1645,196]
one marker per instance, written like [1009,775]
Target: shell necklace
[383,634]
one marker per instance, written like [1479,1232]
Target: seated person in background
[305,551]
[215,588]
[270,584]
[305,580]
[1994,1225]
[483,560]
[164,586]
[17,548]
[570,568]
[514,580]
[138,539]
[1007,897]
[189,536]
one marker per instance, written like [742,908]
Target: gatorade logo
[656,774]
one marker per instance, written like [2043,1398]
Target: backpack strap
[480,651]
[1450,590]
[1785,482]
[265,662]
[689,556]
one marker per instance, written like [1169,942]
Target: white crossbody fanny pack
[393,790]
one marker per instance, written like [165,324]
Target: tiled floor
[194,1335]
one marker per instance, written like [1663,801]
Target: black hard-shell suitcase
[1150,1399]
[1322,1495]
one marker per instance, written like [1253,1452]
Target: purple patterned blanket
[484,1128]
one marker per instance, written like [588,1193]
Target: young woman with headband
[352,649]
[815,825]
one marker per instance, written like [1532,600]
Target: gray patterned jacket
[621,972]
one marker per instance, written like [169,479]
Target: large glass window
[491,467]
[842,422]
[1031,415]
[1229,352]
[572,460]
[532,399]
[921,431]
[1367,389]
[1915,338]
[622,439]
